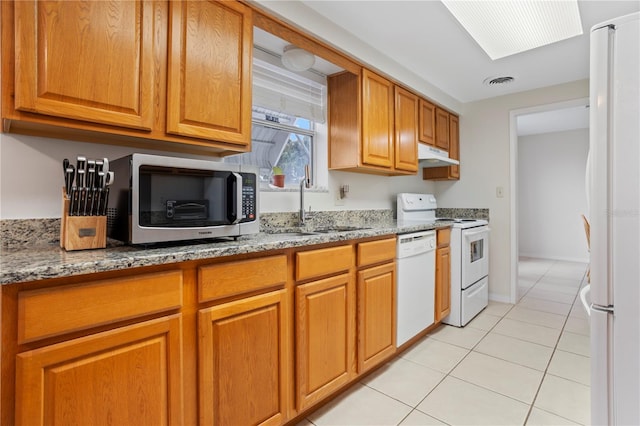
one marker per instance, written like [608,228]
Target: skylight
[504,28]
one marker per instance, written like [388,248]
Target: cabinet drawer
[376,251]
[232,278]
[443,237]
[320,262]
[64,309]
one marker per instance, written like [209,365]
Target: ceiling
[423,36]
[557,120]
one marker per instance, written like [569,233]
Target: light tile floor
[512,365]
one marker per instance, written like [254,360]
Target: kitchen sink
[325,230]
[293,234]
[339,229]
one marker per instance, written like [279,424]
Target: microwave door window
[216,190]
[171,197]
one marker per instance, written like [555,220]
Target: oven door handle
[477,290]
[470,234]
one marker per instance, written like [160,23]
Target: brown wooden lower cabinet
[127,376]
[376,315]
[195,344]
[325,336]
[443,275]
[243,361]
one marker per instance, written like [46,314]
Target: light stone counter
[32,263]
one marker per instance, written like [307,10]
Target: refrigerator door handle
[583,298]
[600,133]
[590,306]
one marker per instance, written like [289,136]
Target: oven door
[475,255]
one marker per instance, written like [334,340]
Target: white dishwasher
[416,266]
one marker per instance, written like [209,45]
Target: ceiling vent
[498,81]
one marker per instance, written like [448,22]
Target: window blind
[281,90]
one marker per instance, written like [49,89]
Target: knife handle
[80,178]
[106,201]
[85,200]
[92,208]
[73,201]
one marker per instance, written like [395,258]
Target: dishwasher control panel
[415,243]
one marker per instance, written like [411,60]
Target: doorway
[545,182]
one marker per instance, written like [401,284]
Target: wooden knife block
[81,232]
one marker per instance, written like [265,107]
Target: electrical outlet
[337,200]
[499,192]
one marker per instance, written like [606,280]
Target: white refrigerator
[614,213]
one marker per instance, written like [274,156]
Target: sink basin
[294,234]
[340,229]
[327,230]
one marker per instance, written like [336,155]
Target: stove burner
[456,220]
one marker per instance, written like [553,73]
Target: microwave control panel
[248,197]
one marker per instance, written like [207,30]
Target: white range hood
[429,156]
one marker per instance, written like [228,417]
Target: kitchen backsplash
[463,213]
[33,232]
[29,232]
[321,219]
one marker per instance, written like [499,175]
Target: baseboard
[499,298]
[557,258]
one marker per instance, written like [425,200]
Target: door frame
[513,179]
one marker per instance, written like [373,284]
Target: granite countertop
[34,263]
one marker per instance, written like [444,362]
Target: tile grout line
[454,367]
[545,373]
[555,348]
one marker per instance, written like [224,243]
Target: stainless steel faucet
[304,183]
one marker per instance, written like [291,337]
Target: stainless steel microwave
[157,199]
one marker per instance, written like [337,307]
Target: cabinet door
[376,315]
[427,127]
[325,337]
[406,130]
[90,61]
[454,145]
[442,129]
[243,361]
[448,172]
[443,282]
[377,120]
[120,377]
[209,76]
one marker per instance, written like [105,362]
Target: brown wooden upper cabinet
[427,131]
[406,130]
[209,82]
[453,132]
[90,61]
[176,71]
[442,129]
[372,125]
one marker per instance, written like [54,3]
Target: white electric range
[469,247]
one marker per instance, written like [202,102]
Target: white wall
[551,195]
[31,180]
[484,165]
